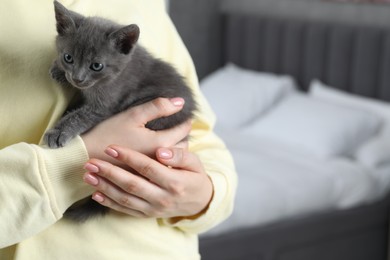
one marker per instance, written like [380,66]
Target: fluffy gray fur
[112,72]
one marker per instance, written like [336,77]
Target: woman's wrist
[174,220]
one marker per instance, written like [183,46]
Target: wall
[167,4]
[198,24]
[336,11]
[198,21]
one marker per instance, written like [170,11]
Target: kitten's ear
[125,38]
[66,20]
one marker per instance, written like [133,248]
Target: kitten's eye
[96,66]
[68,58]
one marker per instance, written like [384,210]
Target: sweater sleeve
[218,164]
[37,185]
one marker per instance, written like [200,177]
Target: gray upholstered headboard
[348,53]
[354,58]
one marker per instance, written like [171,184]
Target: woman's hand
[128,129]
[175,185]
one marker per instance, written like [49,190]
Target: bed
[312,144]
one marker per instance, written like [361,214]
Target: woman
[155,219]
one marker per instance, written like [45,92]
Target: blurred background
[301,91]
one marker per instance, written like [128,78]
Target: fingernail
[165,153]
[177,101]
[90,179]
[98,197]
[91,167]
[111,152]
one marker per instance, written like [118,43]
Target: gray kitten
[102,60]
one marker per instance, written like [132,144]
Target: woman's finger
[120,184]
[108,202]
[179,158]
[157,108]
[149,168]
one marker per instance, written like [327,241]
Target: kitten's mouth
[80,85]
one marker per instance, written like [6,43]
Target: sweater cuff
[64,174]
[218,209]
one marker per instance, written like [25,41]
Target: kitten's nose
[78,80]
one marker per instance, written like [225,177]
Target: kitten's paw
[58,75]
[56,138]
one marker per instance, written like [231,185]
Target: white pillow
[238,95]
[380,108]
[316,127]
[375,152]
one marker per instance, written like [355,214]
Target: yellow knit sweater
[38,184]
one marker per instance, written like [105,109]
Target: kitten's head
[91,49]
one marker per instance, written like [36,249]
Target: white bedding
[275,183]
[279,176]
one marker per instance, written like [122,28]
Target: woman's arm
[38,184]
